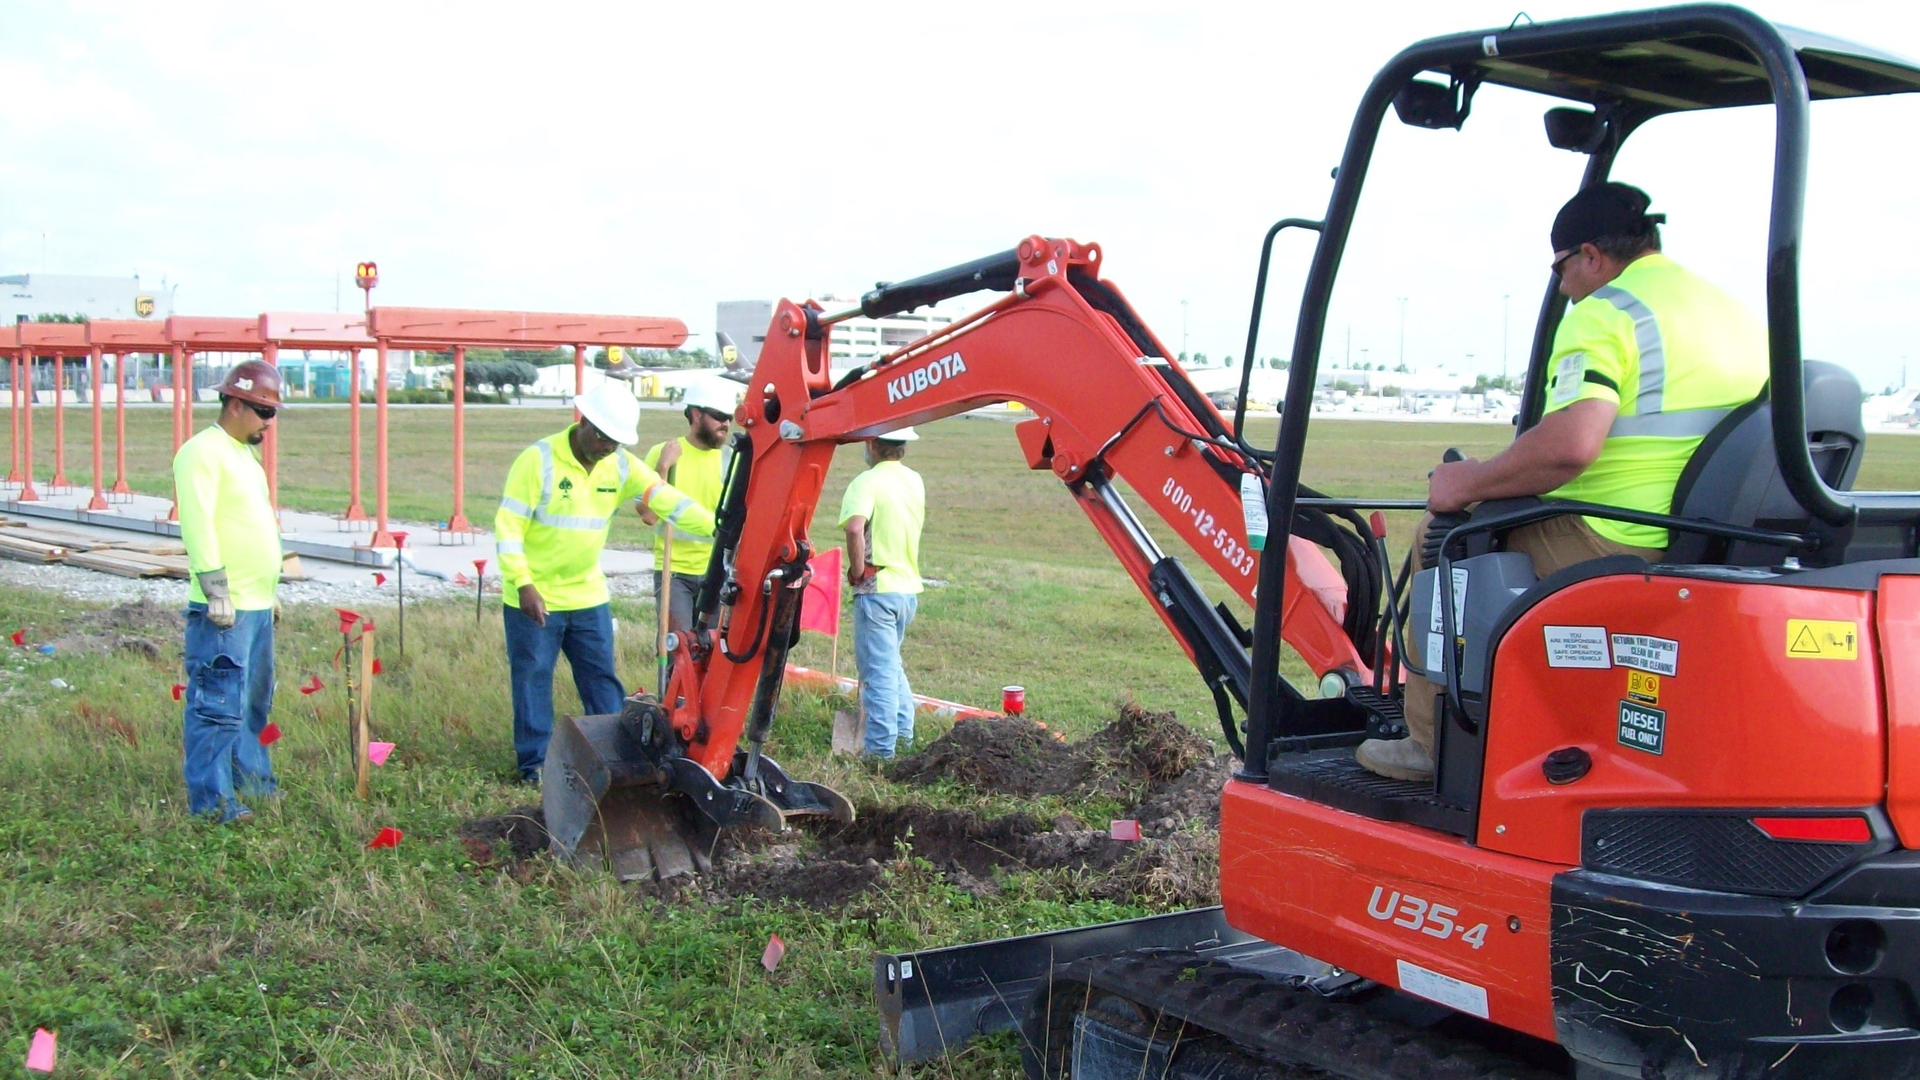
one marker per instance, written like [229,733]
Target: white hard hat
[714,395]
[611,408]
[905,434]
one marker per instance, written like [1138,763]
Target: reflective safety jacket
[226,518]
[700,473]
[555,513]
[1676,354]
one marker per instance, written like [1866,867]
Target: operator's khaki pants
[1553,544]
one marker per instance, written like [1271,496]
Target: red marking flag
[40,1052]
[1124,829]
[347,619]
[379,579]
[775,950]
[376,665]
[387,837]
[178,689]
[377,752]
[312,685]
[480,567]
[820,607]
[461,579]
[270,734]
[19,637]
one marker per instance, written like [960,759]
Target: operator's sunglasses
[717,417]
[264,412]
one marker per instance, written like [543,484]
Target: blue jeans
[229,693]
[586,636]
[880,622]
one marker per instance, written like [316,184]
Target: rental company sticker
[1643,727]
[1656,654]
[1445,989]
[1822,639]
[1577,647]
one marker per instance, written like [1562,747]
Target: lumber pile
[129,563]
[15,546]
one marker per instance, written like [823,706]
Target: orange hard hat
[254,381]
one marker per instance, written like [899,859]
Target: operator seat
[1734,477]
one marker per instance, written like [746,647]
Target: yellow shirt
[698,475]
[555,513]
[226,518]
[1676,354]
[894,501]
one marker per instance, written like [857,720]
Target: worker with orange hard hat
[232,536]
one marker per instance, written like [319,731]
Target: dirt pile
[1168,774]
[1016,756]
[143,627]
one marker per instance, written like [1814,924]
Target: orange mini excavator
[1675,829]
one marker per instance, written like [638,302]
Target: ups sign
[143,306]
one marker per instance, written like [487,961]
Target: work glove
[219,600]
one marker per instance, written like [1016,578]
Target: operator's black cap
[1610,209]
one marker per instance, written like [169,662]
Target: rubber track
[1283,1024]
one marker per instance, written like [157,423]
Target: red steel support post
[457,521]
[13,387]
[59,480]
[381,537]
[120,428]
[354,510]
[99,500]
[269,448]
[27,494]
[579,376]
[180,393]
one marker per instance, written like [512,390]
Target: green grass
[158,946]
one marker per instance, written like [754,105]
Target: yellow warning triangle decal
[1804,643]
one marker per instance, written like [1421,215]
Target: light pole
[1403,331]
[1505,322]
[1183,331]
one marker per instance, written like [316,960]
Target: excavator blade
[607,806]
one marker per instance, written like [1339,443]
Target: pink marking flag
[270,734]
[377,752]
[461,579]
[387,837]
[820,607]
[776,949]
[40,1053]
[1124,829]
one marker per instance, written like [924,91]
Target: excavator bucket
[614,801]
[607,807]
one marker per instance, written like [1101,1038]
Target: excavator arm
[1108,406]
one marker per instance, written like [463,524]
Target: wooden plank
[61,538]
[29,550]
[107,563]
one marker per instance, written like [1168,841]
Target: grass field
[158,946]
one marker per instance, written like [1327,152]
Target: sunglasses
[717,417]
[264,412]
[1561,262]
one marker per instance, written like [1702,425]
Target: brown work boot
[1410,758]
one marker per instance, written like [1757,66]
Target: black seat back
[1734,478]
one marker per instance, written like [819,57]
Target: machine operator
[1648,359]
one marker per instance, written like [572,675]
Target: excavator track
[1173,1009]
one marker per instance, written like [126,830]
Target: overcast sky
[652,159]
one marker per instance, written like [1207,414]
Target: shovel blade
[846,731]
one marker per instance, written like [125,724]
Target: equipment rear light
[1846,829]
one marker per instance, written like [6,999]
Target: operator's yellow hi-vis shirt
[227,519]
[893,499]
[555,513]
[1676,354]
[698,475]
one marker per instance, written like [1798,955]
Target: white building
[855,342]
[29,295]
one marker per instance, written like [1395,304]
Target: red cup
[1013,700]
